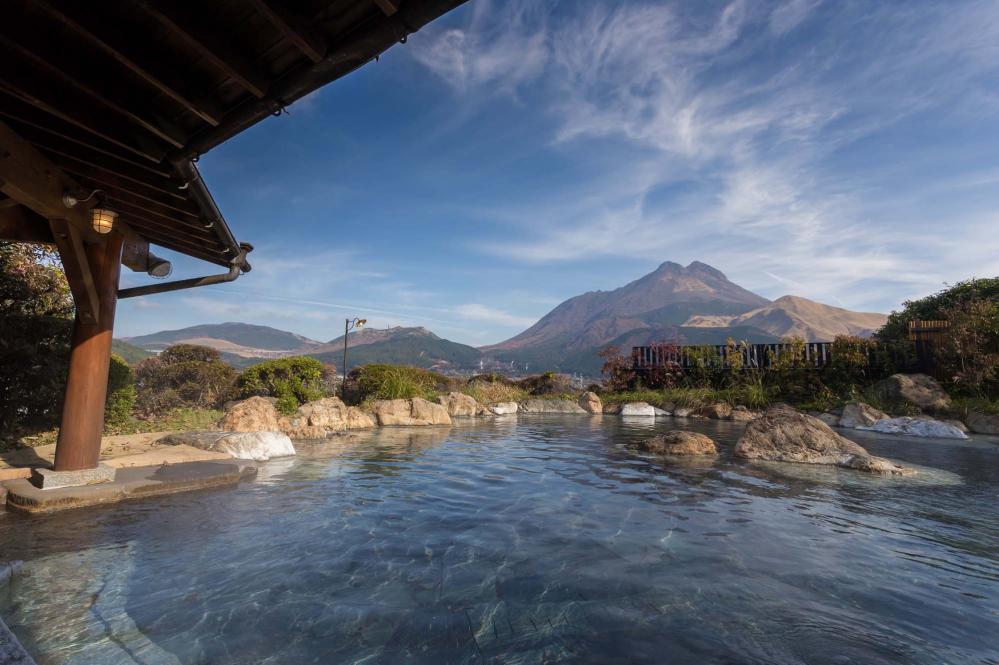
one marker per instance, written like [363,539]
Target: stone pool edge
[129,483]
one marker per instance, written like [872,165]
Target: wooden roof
[125,95]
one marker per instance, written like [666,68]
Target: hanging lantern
[102,220]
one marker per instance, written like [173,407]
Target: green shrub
[548,383]
[394,382]
[183,376]
[121,394]
[492,388]
[293,381]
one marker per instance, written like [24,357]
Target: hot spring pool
[538,540]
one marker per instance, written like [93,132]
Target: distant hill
[793,316]
[242,345]
[694,304]
[131,354]
[238,339]
[403,346]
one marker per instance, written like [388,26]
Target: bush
[293,381]
[183,376]
[393,382]
[934,307]
[969,352]
[121,394]
[548,383]
[492,388]
[36,320]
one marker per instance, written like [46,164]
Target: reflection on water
[542,539]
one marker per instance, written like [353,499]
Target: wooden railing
[754,356]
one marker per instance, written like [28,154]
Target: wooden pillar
[79,442]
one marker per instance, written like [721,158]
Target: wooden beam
[19,224]
[74,107]
[295,28]
[79,444]
[390,7]
[113,185]
[134,55]
[89,77]
[76,265]
[29,178]
[48,130]
[186,21]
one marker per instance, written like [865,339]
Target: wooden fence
[754,356]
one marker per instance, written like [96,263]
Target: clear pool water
[536,540]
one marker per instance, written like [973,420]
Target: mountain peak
[704,268]
[669,266]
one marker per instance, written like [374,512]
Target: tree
[183,375]
[969,350]
[121,393]
[293,381]
[36,317]
[934,307]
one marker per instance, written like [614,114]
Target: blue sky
[514,154]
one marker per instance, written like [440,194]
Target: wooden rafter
[71,71]
[179,18]
[389,7]
[75,108]
[133,55]
[294,27]
[78,271]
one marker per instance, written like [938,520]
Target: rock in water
[590,402]
[983,423]
[503,408]
[460,405]
[550,406]
[679,442]
[925,427]
[259,446]
[916,389]
[857,415]
[719,411]
[323,417]
[415,411]
[641,409]
[742,414]
[783,434]
[256,414]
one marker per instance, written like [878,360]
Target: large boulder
[917,389]
[679,442]
[783,434]
[983,423]
[550,406]
[256,414]
[415,411]
[322,418]
[503,408]
[258,446]
[460,405]
[641,409]
[857,415]
[924,427]
[613,408]
[590,402]
[719,411]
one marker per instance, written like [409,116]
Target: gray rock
[922,427]
[550,406]
[679,442]
[661,413]
[783,434]
[983,423]
[48,479]
[640,409]
[917,389]
[257,446]
[503,408]
[857,415]
[719,411]
[742,414]
[590,402]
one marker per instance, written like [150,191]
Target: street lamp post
[348,325]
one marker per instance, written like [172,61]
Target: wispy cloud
[487,314]
[698,96]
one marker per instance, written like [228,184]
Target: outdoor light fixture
[348,324]
[158,267]
[102,220]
